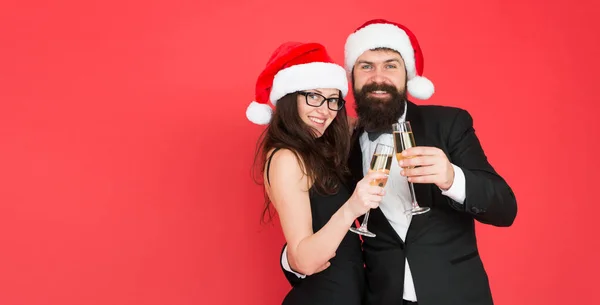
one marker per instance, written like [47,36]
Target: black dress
[343,282]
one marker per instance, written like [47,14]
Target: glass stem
[364,223]
[412,195]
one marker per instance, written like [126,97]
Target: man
[432,258]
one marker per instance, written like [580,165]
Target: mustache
[378,87]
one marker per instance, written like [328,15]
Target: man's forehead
[380,55]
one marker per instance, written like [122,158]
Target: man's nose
[378,79]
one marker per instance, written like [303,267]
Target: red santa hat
[294,66]
[380,33]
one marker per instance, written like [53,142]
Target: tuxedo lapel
[422,191]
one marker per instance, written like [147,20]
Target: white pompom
[420,87]
[259,113]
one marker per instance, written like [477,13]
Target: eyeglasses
[316,100]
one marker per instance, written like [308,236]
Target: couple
[315,170]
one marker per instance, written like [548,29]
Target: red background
[125,152]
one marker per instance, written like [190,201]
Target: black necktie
[375,134]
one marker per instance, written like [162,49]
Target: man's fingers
[418,161]
[421,151]
[423,179]
[419,171]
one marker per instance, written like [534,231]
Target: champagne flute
[380,162]
[404,139]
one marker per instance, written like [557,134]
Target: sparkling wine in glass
[380,162]
[404,139]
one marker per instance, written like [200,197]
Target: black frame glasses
[333,103]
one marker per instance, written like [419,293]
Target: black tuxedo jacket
[441,245]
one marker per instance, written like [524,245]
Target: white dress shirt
[397,200]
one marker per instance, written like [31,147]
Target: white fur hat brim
[258,113]
[315,75]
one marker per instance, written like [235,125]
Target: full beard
[376,114]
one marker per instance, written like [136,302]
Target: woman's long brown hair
[324,159]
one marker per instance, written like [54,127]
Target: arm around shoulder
[489,198]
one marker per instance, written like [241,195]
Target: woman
[303,156]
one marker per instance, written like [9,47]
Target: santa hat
[381,33]
[294,66]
